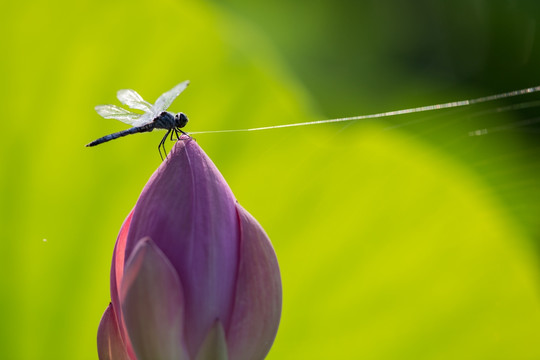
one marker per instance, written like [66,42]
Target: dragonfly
[154,117]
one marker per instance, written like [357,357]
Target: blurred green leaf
[390,250]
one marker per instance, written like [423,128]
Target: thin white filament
[449,105]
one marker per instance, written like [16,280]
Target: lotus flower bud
[194,276]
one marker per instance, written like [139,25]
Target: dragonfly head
[180,120]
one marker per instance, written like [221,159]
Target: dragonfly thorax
[167,120]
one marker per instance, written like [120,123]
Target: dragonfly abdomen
[116,135]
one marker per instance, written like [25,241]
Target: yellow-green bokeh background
[410,242]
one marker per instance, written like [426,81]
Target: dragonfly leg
[184,133]
[162,145]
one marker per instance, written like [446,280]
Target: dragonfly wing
[117,113]
[165,100]
[162,104]
[144,119]
[133,100]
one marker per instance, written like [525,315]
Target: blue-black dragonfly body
[154,117]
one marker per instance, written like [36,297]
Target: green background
[400,238]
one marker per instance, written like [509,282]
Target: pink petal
[110,344]
[117,272]
[214,347]
[152,304]
[188,210]
[257,305]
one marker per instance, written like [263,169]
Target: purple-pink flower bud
[194,276]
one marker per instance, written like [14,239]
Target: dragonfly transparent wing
[133,100]
[162,103]
[117,113]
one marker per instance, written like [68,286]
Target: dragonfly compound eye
[181,120]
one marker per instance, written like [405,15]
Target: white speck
[44,240]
